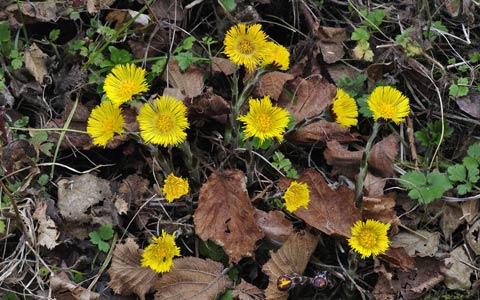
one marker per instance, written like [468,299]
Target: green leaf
[94,237]
[54,34]
[103,246]
[46,149]
[360,34]
[363,107]
[105,231]
[229,5]
[375,18]
[21,122]
[39,138]
[2,227]
[16,63]
[462,81]
[119,56]
[9,296]
[4,32]
[185,59]
[213,251]
[457,173]
[228,295]
[440,180]
[265,145]
[413,179]
[292,173]
[463,189]
[474,151]
[159,65]
[474,57]
[43,179]
[186,45]
[470,162]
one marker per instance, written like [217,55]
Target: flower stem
[364,166]
[194,170]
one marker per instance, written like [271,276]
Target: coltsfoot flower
[345,109]
[388,103]
[105,120]
[159,254]
[174,187]
[297,195]
[124,82]
[369,238]
[277,55]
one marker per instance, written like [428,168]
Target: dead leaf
[331,42]
[470,210]
[383,210]
[383,289]
[450,219]
[374,185]
[271,84]
[121,16]
[345,162]
[193,278]
[127,275]
[190,83]
[247,291]
[412,285]
[35,62]
[133,189]
[62,288]
[291,258]
[472,237]
[331,211]
[34,12]
[383,154]
[458,271]
[452,7]
[167,10]
[17,154]
[322,131]
[209,105]
[85,199]
[276,227]
[376,71]
[223,65]
[399,257]
[225,214]
[417,243]
[470,104]
[47,229]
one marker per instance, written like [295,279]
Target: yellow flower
[369,238]
[124,82]
[246,45]
[159,254]
[345,109]
[297,195]
[163,122]
[277,56]
[388,103]
[174,187]
[264,120]
[105,120]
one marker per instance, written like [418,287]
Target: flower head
[369,238]
[124,82]
[277,56]
[105,120]
[175,187]
[388,103]
[164,121]
[345,109]
[264,120]
[297,195]
[246,45]
[159,254]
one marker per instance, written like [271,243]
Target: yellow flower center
[165,123]
[368,239]
[127,88]
[264,122]
[387,111]
[161,253]
[108,125]
[246,47]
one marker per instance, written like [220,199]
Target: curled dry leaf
[331,211]
[247,291]
[470,210]
[225,214]
[276,227]
[451,218]
[271,84]
[35,62]
[381,209]
[470,104]
[399,257]
[383,154]
[344,162]
[472,237]
[291,258]
[374,185]
[47,229]
[417,243]
[63,288]
[127,275]
[193,278]
[223,65]
[458,270]
[35,12]
[190,82]
[331,42]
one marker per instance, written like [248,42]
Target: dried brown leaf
[470,210]
[190,82]
[383,154]
[381,209]
[271,84]
[47,229]
[291,258]
[223,65]
[374,185]
[35,12]
[417,243]
[133,189]
[167,10]
[383,289]
[35,62]
[331,42]
[331,211]
[192,278]
[225,214]
[458,272]
[63,289]
[399,257]
[472,237]
[276,227]
[470,104]
[247,291]
[127,275]
[451,218]
[209,105]
[344,162]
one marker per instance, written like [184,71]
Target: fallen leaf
[17,154]
[35,62]
[167,10]
[376,71]
[400,258]
[223,65]
[331,42]
[247,291]
[374,185]
[322,131]
[225,214]
[452,7]
[127,275]
[470,210]
[190,83]
[345,162]
[47,229]
[291,258]
[271,84]
[63,289]
[35,12]
[331,211]
[450,219]
[85,199]
[133,189]
[458,271]
[276,227]
[412,285]
[470,104]
[383,210]
[208,105]
[383,154]
[473,238]
[383,289]
[193,278]
[417,243]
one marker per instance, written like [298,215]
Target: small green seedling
[2,227]
[423,188]
[466,175]
[101,237]
[430,136]
[459,89]
[284,164]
